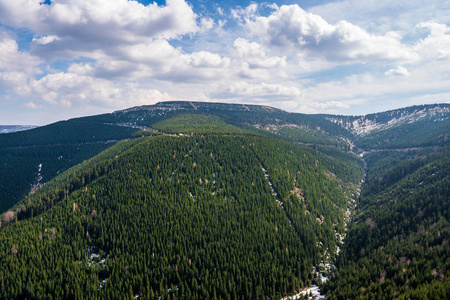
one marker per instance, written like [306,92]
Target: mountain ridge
[365,124]
[89,135]
[196,105]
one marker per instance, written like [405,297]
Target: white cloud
[11,59]
[437,44]
[363,91]
[81,69]
[239,89]
[14,83]
[205,59]
[16,67]
[44,40]
[399,71]
[68,27]
[206,24]
[69,89]
[242,14]
[292,28]
[121,53]
[380,16]
[160,60]
[32,105]
[245,72]
[115,16]
[255,55]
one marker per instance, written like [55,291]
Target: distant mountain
[364,125]
[201,106]
[14,128]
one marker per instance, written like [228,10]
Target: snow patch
[313,292]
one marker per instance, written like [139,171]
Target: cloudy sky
[68,58]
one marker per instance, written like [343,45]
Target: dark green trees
[186,217]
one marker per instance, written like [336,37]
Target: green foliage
[75,131]
[202,204]
[307,136]
[235,114]
[197,123]
[184,217]
[57,147]
[397,246]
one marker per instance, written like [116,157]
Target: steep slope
[363,125]
[33,157]
[416,126]
[30,158]
[222,214]
[397,246]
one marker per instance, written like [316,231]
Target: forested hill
[30,158]
[198,200]
[33,157]
[218,212]
[236,114]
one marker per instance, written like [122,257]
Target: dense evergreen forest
[33,157]
[397,246]
[189,200]
[64,144]
[203,216]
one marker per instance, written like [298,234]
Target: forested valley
[398,243]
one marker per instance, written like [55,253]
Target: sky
[69,58]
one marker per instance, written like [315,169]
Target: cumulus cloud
[255,55]
[118,53]
[293,28]
[118,16]
[241,89]
[206,24]
[380,16]
[70,89]
[11,59]
[437,43]
[399,71]
[44,40]
[68,26]
[243,14]
[16,67]
[205,59]
[157,59]
[31,105]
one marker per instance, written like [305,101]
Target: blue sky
[68,58]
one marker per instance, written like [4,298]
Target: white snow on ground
[14,128]
[313,291]
[102,283]
[326,266]
[362,125]
[266,175]
[192,196]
